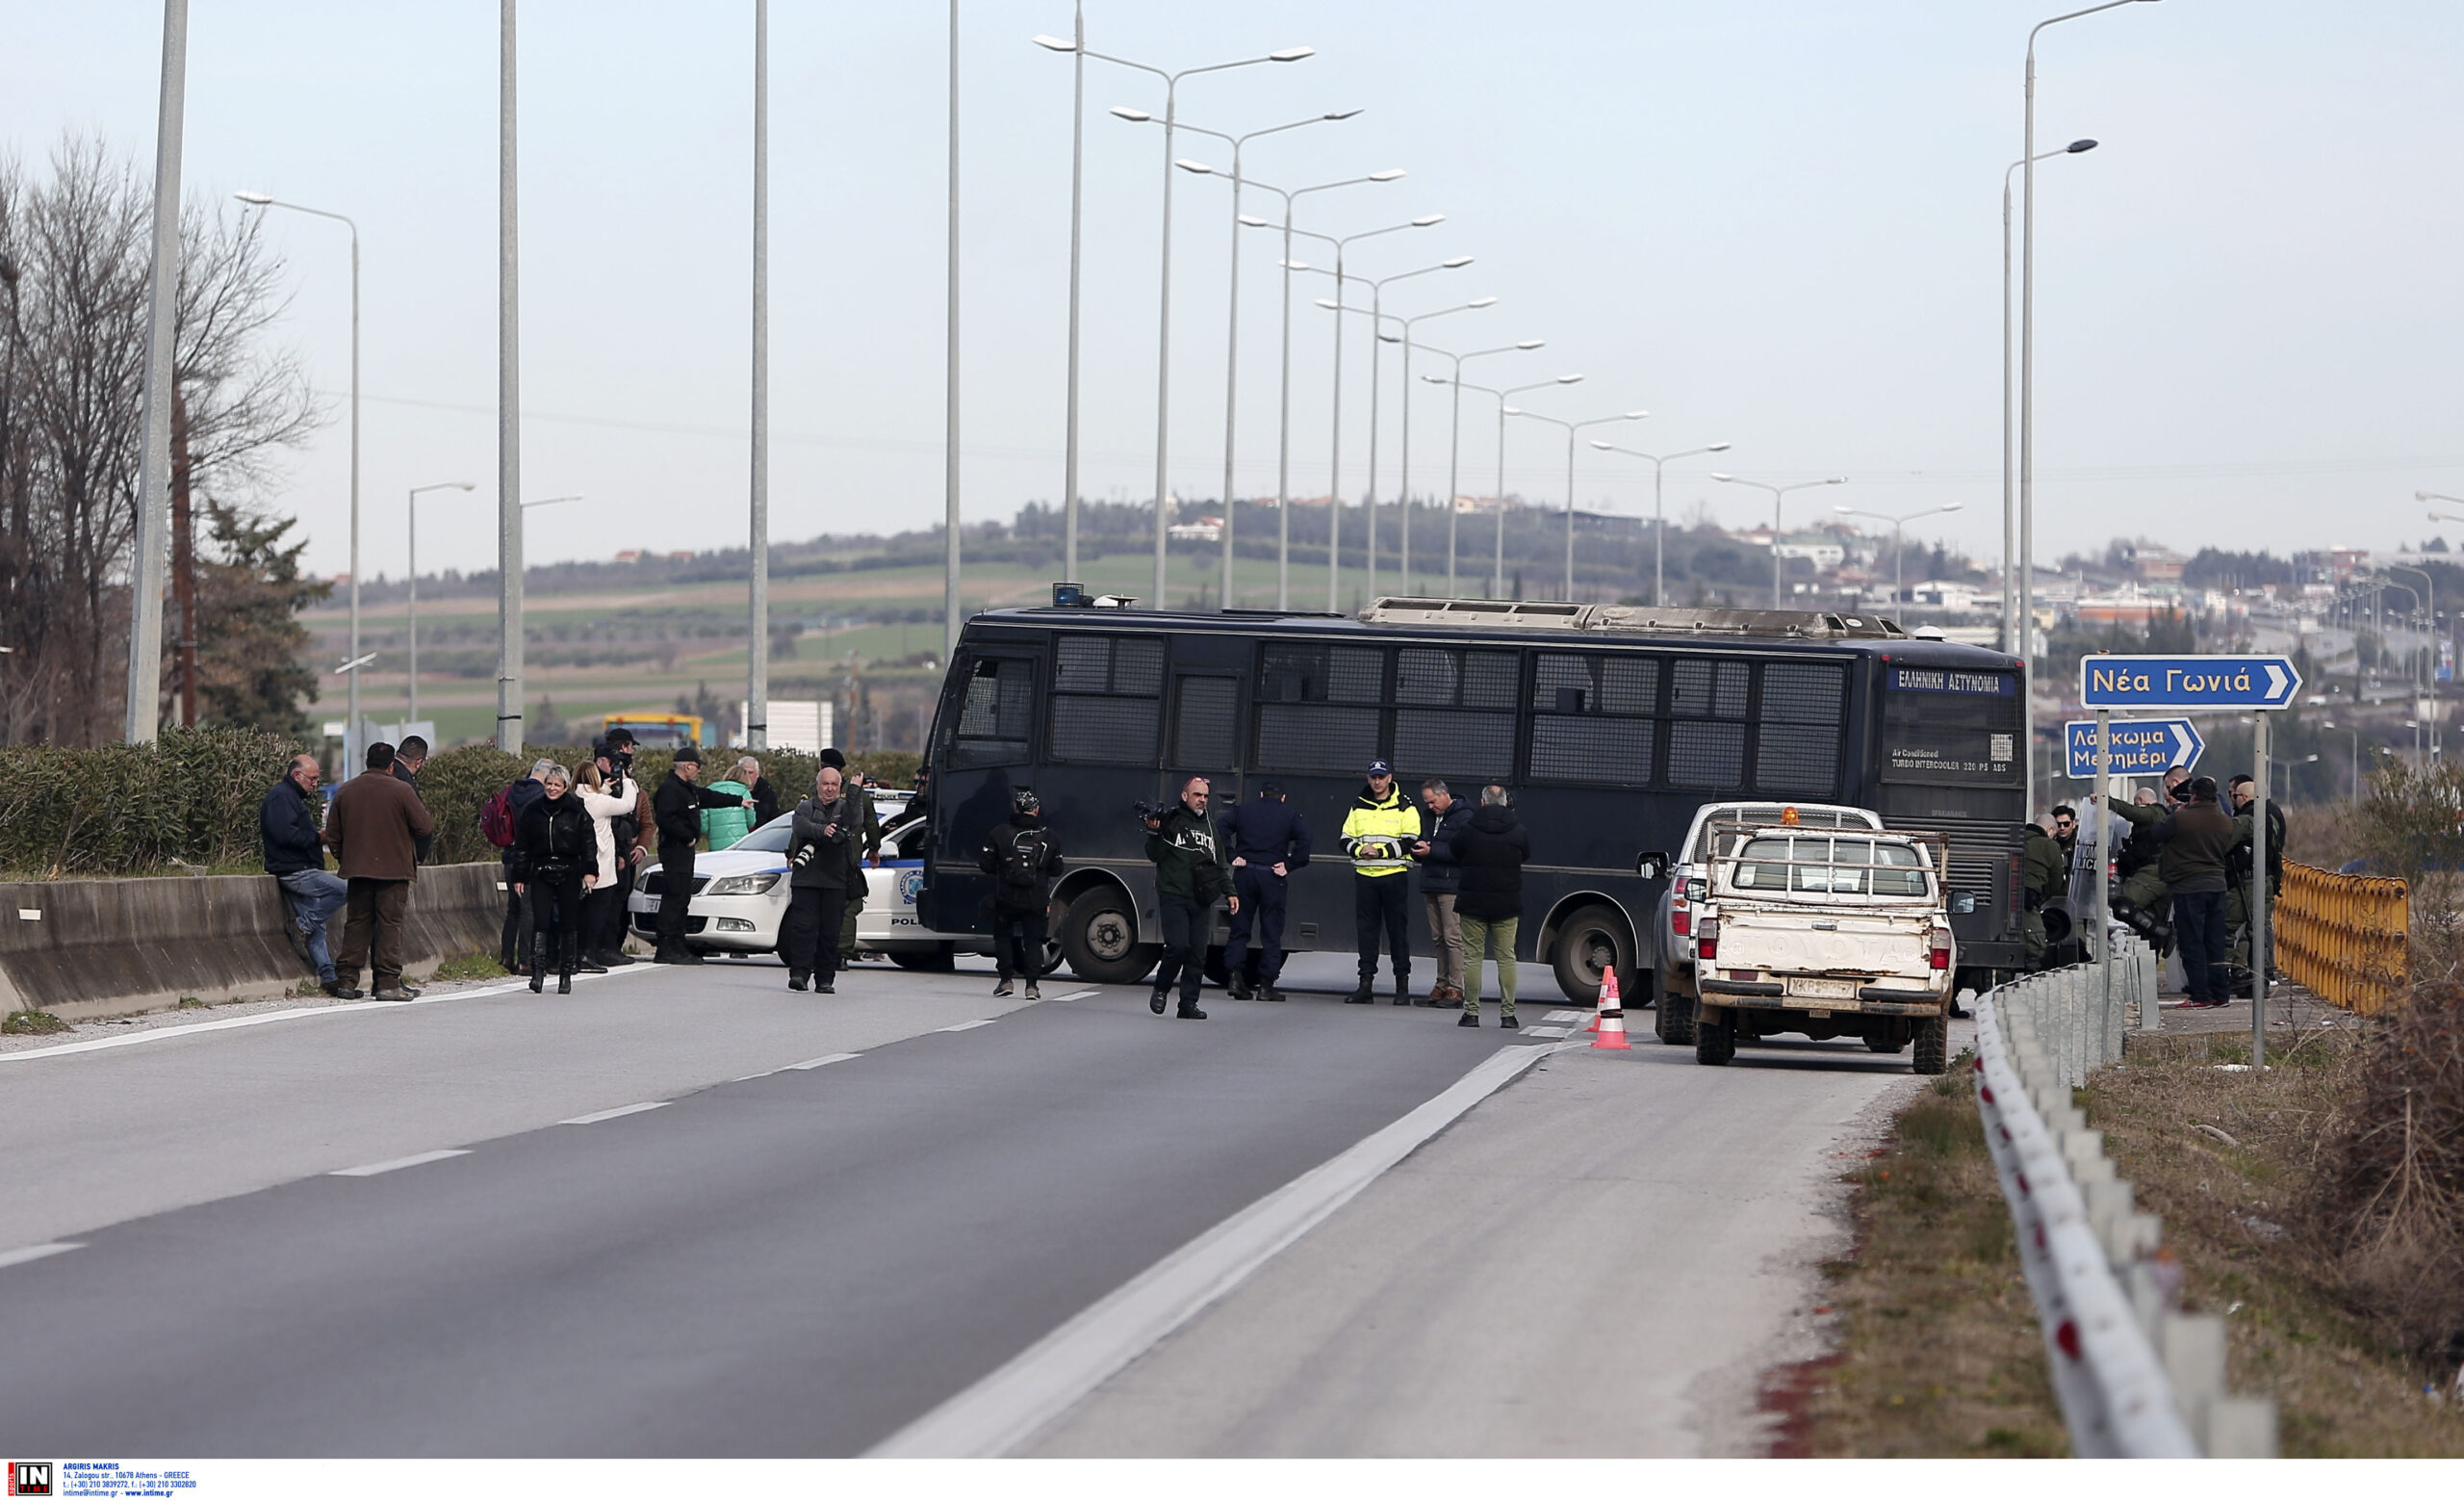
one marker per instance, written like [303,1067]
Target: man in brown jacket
[375,830]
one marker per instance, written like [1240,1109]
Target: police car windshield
[771,837]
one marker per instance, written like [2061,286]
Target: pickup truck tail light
[1939,954]
[1680,920]
[1707,938]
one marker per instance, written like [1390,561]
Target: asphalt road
[447,1229]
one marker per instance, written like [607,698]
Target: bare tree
[73,273]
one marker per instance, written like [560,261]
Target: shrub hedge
[194,794]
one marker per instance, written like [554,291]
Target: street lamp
[1778,493]
[1283,422]
[1659,518]
[1335,509]
[1497,567]
[2010,509]
[1455,441]
[1163,315]
[351,738]
[1376,316]
[1898,581]
[1404,339]
[1572,427]
[1076,47]
[414,509]
[2027,384]
[1232,331]
[756,657]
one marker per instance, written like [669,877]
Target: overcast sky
[1774,223]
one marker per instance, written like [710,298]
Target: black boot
[567,949]
[538,963]
[1364,995]
[1189,1011]
[1402,987]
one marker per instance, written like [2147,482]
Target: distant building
[1205,528]
[1948,596]
[629,554]
[2128,604]
[1819,548]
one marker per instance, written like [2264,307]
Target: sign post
[2099,943]
[2260,683]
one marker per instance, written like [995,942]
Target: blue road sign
[2187,682]
[2140,748]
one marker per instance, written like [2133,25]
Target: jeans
[1262,892]
[1446,934]
[1186,925]
[808,937]
[1018,942]
[1378,901]
[372,932]
[315,895]
[1497,938]
[2198,929]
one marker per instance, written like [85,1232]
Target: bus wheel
[1591,940]
[938,959]
[1099,936]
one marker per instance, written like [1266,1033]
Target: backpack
[1017,862]
[496,819]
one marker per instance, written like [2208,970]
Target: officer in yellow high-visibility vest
[1377,835]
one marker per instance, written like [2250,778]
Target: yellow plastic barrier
[2345,938]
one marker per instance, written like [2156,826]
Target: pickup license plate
[1824,989]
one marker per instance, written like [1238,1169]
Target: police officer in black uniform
[1268,839]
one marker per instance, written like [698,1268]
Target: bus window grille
[1555,676]
[1708,690]
[1427,677]
[1629,685]
[1615,751]
[1801,694]
[1490,679]
[1205,723]
[1103,731]
[1357,674]
[1797,758]
[1445,742]
[1137,665]
[1706,756]
[1320,738]
[1082,663]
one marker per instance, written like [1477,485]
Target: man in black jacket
[2194,845]
[295,849]
[1440,883]
[1269,839]
[678,812]
[2239,863]
[823,867]
[513,944]
[1490,849]
[1022,855]
[1189,880]
[408,757]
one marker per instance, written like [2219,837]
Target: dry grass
[2250,1174]
[1939,1352]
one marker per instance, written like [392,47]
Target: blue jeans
[2198,929]
[315,895]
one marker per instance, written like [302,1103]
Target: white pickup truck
[1824,933]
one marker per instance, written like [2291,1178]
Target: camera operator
[630,833]
[1189,880]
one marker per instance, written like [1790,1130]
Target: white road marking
[1559,1017]
[1000,1413]
[615,1114]
[376,1168]
[1547,1031]
[969,1025]
[20,1256]
[811,1063]
[1077,996]
[303,1013]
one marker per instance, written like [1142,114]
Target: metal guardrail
[2136,1376]
[2345,938]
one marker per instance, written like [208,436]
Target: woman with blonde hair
[606,797]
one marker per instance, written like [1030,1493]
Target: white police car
[740,896]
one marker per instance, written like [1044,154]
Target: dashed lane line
[379,1168]
[968,1026]
[1078,996]
[617,1113]
[302,1013]
[25,1253]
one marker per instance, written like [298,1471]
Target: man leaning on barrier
[295,849]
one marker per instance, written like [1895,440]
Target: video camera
[1150,812]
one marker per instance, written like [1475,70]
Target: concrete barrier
[81,950]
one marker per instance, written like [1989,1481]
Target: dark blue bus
[1610,724]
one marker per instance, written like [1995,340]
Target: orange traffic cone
[1611,1020]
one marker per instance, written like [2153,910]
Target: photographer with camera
[822,866]
[1189,880]
[628,833]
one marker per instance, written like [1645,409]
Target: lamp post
[757,656]
[2027,384]
[1454,440]
[2356,753]
[1376,316]
[1232,330]
[1497,567]
[950,516]
[2010,507]
[1405,483]
[1335,508]
[414,511]
[1283,419]
[351,740]
[1660,518]
[1076,46]
[1778,493]
[1898,582]
[1164,313]
[509,571]
[142,706]
[1572,427]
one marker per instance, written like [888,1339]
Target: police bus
[1610,725]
